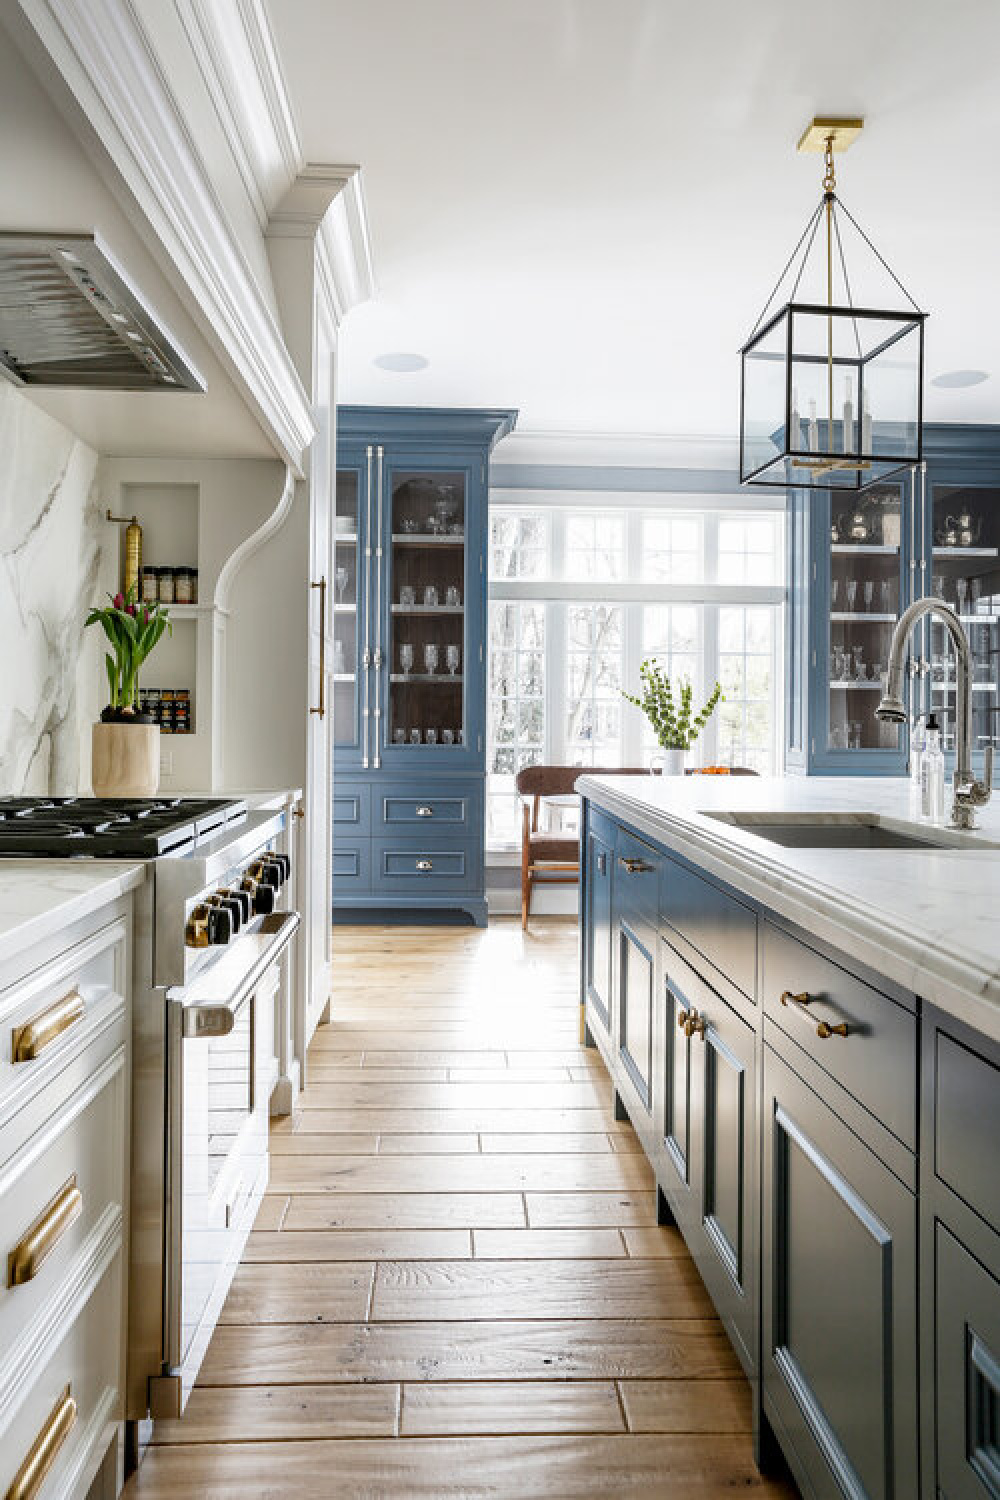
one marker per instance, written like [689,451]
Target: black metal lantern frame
[831,396]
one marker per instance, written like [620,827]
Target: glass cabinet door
[427,582]
[866,599]
[348,592]
[965,573]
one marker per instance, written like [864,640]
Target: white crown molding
[257,25]
[103,54]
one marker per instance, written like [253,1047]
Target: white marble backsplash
[51,537]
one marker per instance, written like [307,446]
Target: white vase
[673,762]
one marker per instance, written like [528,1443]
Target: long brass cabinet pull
[25,1260]
[44,1450]
[799,1005]
[30,1040]
[634,866]
[321,706]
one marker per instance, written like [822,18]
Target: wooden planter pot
[125,760]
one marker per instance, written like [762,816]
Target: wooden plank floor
[456,1286]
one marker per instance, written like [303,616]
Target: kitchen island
[796,991]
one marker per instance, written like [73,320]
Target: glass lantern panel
[764,390]
[892,395]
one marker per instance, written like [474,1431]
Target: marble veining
[50,566]
[926,919]
[40,897]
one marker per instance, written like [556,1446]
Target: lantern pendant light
[831,395]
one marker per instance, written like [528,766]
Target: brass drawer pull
[691,1023]
[634,866]
[423,811]
[25,1260]
[44,1450]
[30,1040]
[424,865]
[799,1005]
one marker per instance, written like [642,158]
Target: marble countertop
[40,896]
[929,919]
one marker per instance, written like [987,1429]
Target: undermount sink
[844,831]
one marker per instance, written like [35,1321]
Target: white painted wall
[54,564]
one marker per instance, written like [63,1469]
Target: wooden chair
[550,858]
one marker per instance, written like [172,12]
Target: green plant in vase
[671,712]
[133,630]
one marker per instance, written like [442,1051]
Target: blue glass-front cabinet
[410,598]
[854,563]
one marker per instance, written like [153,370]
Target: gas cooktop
[115,828]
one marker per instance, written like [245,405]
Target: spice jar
[194,585]
[150,585]
[167,711]
[166,585]
[183,586]
[182,711]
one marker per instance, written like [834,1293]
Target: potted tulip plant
[126,742]
[674,721]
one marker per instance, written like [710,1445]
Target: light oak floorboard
[272,1211]
[405,1211]
[327,1293]
[466,1173]
[579,1210]
[543,1349]
[661,1243]
[300,1144]
[421,1145]
[359,1245]
[239,1414]
[576,1143]
[547,1244]
[702,1406]
[445,1409]
[385,1116]
[358,1094]
[464,1290]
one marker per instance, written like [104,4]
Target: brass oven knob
[196,928]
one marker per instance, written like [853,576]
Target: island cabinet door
[967,1370]
[635,886]
[709,1148]
[839,1347]
[597,932]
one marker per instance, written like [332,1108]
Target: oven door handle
[211,1018]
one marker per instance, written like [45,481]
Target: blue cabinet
[854,563]
[410,601]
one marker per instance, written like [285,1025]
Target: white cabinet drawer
[60,1194]
[85,1362]
[48,1018]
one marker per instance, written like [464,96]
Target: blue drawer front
[416,807]
[434,866]
[352,807]
[351,866]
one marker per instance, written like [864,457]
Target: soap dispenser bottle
[932,773]
[918,740]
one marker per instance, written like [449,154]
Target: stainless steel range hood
[68,317]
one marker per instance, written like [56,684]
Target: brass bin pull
[634,866]
[44,1450]
[321,706]
[30,1040]
[25,1260]
[799,1005]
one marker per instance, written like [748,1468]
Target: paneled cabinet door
[839,1351]
[635,886]
[349,587]
[967,1371]
[710,1141]
[597,932]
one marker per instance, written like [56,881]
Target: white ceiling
[578,207]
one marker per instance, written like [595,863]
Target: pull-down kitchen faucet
[968,792]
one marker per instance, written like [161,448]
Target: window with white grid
[581,596]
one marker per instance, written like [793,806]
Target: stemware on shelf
[961,589]
[341,578]
[834,592]
[414,736]
[399,736]
[447,736]
[430,596]
[453,596]
[869,592]
[452,658]
[859,665]
[430,658]
[885,596]
[431,736]
[407,596]
[406,657]
[852,594]
[339,665]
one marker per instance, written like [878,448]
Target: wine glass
[961,589]
[885,596]
[340,578]
[869,593]
[834,593]
[431,658]
[431,737]
[406,658]
[860,671]
[452,658]
[852,594]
